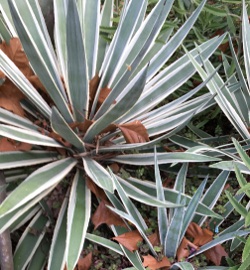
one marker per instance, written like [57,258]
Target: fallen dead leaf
[99,193]
[215,254]
[129,240]
[153,264]
[184,249]
[85,263]
[154,239]
[134,132]
[7,145]
[104,215]
[201,236]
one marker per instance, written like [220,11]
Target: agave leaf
[137,47]
[25,217]
[133,257]
[128,204]
[245,39]
[78,216]
[184,265]
[90,18]
[122,37]
[147,33]
[163,158]
[60,126]
[60,10]
[180,181]
[17,77]
[30,240]
[17,159]
[5,33]
[161,212]
[145,198]
[7,220]
[105,243]
[237,206]
[242,153]
[191,208]
[76,65]
[98,174]
[212,194]
[172,195]
[10,118]
[169,80]
[106,20]
[40,56]
[220,240]
[230,165]
[28,136]
[141,230]
[38,260]
[4,7]
[172,239]
[36,183]
[56,260]
[167,50]
[131,94]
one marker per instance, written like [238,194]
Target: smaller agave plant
[81,104]
[169,246]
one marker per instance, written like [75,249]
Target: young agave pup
[86,102]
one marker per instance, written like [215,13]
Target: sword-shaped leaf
[78,216]
[36,183]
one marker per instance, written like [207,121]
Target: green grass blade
[40,180]
[78,217]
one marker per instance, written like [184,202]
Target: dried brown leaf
[93,85]
[153,264]
[7,145]
[201,236]
[99,193]
[85,263]
[134,132]
[184,249]
[215,254]
[154,239]
[103,215]
[129,240]
[103,95]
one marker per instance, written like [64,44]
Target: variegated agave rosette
[97,104]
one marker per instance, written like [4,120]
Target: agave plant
[95,103]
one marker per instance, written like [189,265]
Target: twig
[6,258]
